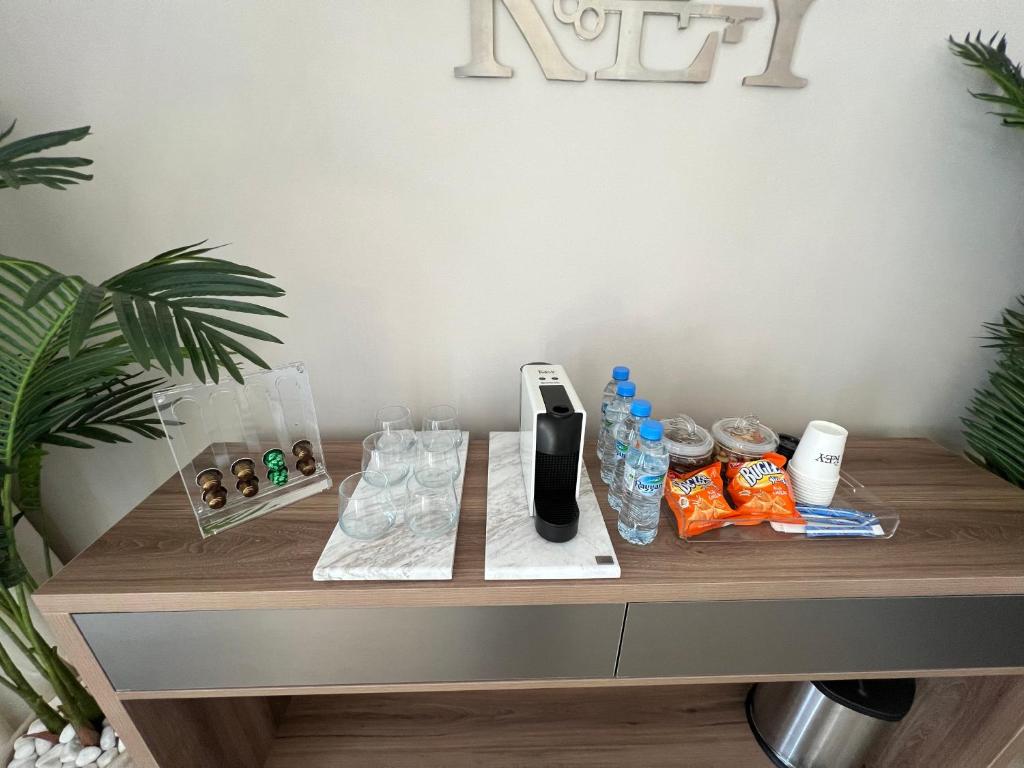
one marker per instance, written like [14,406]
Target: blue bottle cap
[620,373]
[626,389]
[641,408]
[652,430]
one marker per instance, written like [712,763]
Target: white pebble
[24,748]
[36,726]
[120,746]
[69,752]
[87,755]
[106,758]
[67,734]
[25,762]
[50,760]
[42,747]
[108,739]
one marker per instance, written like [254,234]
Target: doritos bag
[760,490]
[697,500]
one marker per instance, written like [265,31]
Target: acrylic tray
[215,427]
[851,494]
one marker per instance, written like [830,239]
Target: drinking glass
[387,452]
[443,418]
[397,419]
[438,451]
[433,505]
[365,507]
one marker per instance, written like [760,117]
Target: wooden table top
[962,532]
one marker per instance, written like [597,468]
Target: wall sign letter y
[789,15]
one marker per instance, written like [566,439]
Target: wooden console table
[225,654]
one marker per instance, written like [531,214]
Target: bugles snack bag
[760,490]
[697,500]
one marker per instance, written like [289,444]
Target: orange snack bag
[760,490]
[697,500]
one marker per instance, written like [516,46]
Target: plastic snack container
[690,446]
[743,438]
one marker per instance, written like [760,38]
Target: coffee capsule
[244,469]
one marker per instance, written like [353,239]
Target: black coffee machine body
[552,423]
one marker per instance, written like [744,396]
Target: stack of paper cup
[814,468]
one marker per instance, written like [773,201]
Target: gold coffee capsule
[302,449]
[244,469]
[248,488]
[306,465]
[216,498]
[209,479]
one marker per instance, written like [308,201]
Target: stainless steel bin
[832,724]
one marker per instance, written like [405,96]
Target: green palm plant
[994,428]
[78,364]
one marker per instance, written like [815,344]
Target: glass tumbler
[387,452]
[397,419]
[438,451]
[365,507]
[433,505]
[443,418]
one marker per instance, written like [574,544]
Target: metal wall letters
[588,18]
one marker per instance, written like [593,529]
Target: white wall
[827,253]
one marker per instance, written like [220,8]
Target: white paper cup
[817,496]
[798,475]
[820,452]
[811,490]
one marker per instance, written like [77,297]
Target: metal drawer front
[809,637]
[255,648]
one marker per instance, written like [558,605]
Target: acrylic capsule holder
[244,450]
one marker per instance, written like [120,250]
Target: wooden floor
[592,728]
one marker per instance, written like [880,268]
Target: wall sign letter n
[536,33]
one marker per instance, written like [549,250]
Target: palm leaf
[166,309]
[177,304]
[990,56]
[29,498]
[19,165]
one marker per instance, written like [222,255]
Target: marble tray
[399,556]
[514,549]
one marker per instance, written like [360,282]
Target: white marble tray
[399,556]
[515,550]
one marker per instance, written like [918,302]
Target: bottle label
[621,448]
[650,486]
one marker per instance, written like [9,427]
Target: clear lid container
[685,438]
[745,435]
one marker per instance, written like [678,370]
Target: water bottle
[643,485]
[625,437]
[617,410]
[619,373]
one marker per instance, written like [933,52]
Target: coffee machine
[552,423]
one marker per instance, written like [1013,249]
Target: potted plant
[78,363]
[995,427]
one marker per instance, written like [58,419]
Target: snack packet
[697,500]
[760,490]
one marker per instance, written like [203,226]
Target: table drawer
[822,636]
[260,648]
